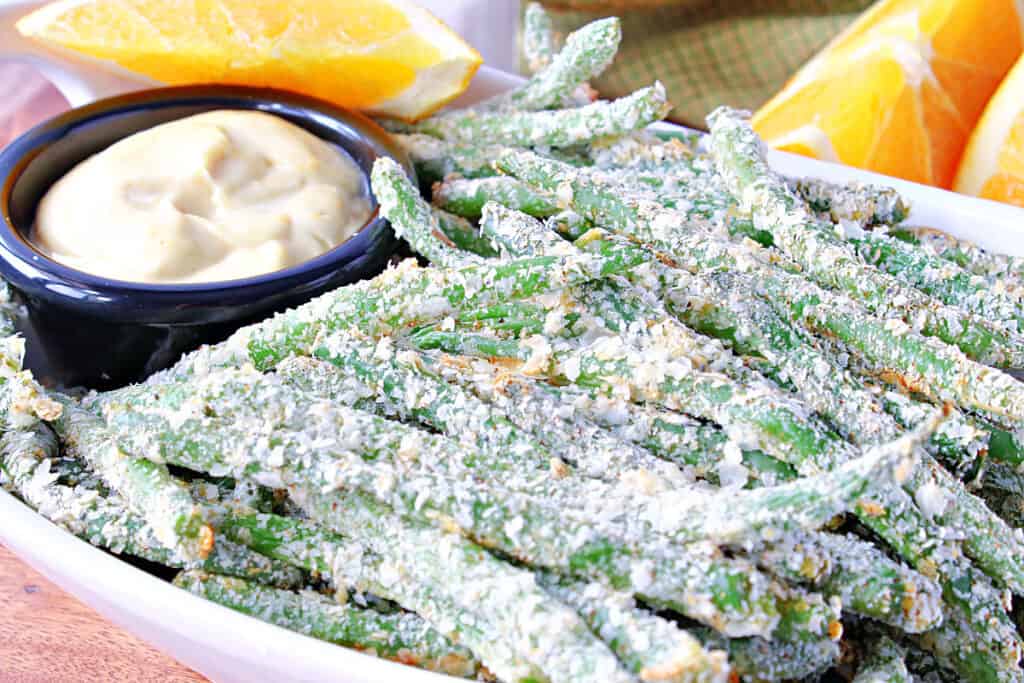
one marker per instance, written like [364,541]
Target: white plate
[227,646]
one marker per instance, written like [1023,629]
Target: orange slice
[993,164]
[900,90]
[386,56]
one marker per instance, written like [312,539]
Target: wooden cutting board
[47,636]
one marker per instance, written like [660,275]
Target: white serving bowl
[229,647]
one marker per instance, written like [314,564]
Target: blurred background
[30,98]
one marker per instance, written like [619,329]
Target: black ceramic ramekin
[92,331]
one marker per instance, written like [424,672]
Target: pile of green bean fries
[651,413]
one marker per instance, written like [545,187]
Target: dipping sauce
[216,196]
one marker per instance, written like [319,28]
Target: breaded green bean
[403,637]
[559,128]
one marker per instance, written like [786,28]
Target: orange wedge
[901,89]
[993,164]
[385,56]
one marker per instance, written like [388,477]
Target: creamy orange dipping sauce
[216,196]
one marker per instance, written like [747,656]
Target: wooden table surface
[47,636]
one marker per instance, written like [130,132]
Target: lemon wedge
[993,165]
[387,57]
[901,89]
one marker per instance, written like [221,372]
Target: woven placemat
[710,52]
